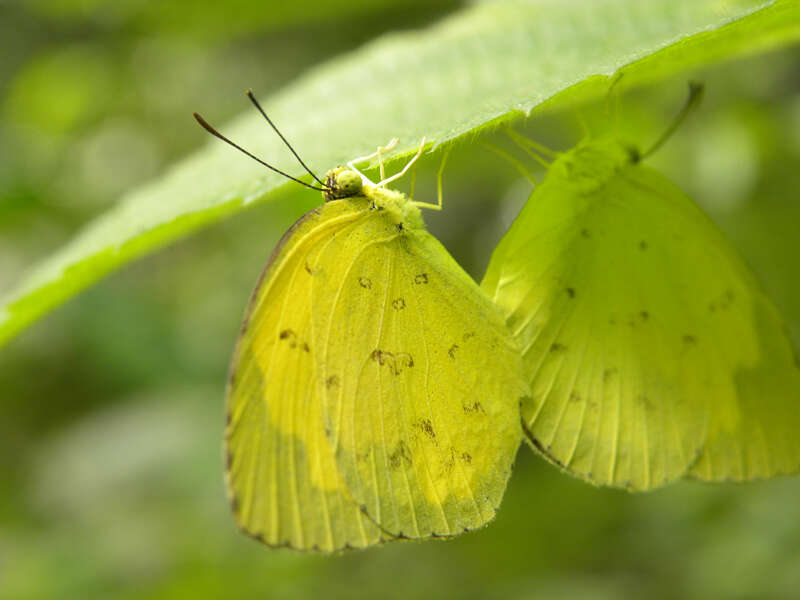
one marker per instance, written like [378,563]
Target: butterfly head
[342,182]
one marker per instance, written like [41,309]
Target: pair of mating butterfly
[378,393]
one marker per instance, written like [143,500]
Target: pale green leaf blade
[488,63]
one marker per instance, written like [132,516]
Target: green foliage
[485,64]
[111,415]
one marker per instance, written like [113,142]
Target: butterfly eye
[348,183]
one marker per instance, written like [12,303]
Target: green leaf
[486,64]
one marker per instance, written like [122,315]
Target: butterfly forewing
[282,475]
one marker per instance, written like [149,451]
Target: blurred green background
[111,413]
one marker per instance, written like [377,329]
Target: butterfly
[651,349]
[374,390]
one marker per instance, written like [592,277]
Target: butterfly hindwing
[282,475]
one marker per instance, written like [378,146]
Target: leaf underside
[486,64]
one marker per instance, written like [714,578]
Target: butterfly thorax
[592,163]
[343,183]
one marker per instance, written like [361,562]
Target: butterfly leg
[352,164]
[439,174]
[532,148]
[383,182]
[514,162]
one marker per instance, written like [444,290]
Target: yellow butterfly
[374,392]
[651,349]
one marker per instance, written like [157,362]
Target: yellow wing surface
[651,350]
[375,391]
[422,383]
[282,476]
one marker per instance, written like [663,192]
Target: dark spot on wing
[643,245]
[689,340]
[400,456]
[723,302]
[469,335]
[609,373]
[400,226]
[398,303]
[644,315]
[466,457]
[450,461]
[585,233]
[309,270]
[452,351]
[397,362]
[365,283]
[571,292]
[332,381]
[291,338]
[426,427]
[556,347]
[473,408]
[645,402]
[574,396]
[421,278]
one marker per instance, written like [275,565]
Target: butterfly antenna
[695,95]
[217,134]
[280,135]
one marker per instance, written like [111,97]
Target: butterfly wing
[421,381]
[282,476]
[651,350]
